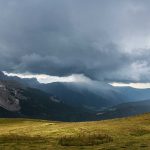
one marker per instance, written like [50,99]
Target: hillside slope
[93,96]
[118,134]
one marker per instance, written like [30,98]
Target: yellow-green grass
[131,133]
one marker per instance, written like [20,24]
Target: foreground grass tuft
[140,132]
[85,139]
[20,138]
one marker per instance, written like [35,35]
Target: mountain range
[27,98]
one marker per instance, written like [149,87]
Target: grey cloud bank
[104,40]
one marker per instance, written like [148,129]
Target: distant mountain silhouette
[125,109]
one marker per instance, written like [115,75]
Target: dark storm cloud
[105,40]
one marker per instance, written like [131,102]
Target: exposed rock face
[9,97]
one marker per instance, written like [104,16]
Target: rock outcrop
[9,97]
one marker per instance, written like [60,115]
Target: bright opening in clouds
[78,78]
[134,85]
[43,78]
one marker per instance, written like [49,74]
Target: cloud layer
[104,40]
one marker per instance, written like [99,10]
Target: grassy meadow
[131,133]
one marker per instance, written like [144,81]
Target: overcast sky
[106,40]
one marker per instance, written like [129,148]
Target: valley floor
[131,133]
